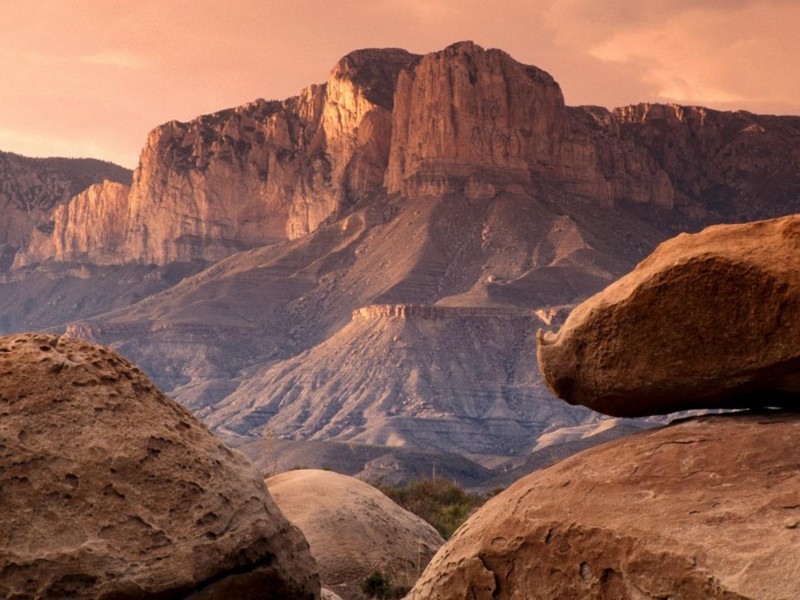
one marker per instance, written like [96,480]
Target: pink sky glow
[92,77]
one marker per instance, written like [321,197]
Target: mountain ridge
[285,217]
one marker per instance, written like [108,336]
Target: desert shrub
[440,502]
[376,585]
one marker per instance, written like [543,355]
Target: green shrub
[376,585]
[440,502]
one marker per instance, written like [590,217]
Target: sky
[90,78]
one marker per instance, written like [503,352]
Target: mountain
[369,259]
[31,187]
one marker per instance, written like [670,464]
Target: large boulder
[706,508]
[709,320]
[110,489]
[354,530]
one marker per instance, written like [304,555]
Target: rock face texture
[672,513]
[31,187]
[263,172]
[89,228]
[707,321]
[353,529]
[110,489]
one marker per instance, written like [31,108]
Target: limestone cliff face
[719,163]
[31,187]
[91,226]
[266,171]
[476,121]
[464,113]
[464,121]
[259,173]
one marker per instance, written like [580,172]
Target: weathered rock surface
[263,172]
[110,489]
[353,529]
[707,321]
[89,228]
[31,187]
[678,512]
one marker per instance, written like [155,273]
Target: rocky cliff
[31,187]
[462,121]
[89,228]
[262,172]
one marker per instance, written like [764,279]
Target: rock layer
[707,321]
[110,489]
[353,529]
[672,513]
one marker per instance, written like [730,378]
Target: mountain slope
[458,179]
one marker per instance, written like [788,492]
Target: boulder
[710,320]
[110,489]
[705,508]
[354,530]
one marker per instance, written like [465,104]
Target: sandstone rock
[110,489]
[707,321]
[353,529]
[678,513]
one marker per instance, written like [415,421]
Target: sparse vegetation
[378,585]
[440,502]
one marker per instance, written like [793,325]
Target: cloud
[115,58]
[713,53]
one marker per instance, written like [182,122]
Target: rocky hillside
[457,179]
[445,378]
[31,187]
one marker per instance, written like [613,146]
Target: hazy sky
[92,77]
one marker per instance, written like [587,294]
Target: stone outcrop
[89,228]
[719,164]
[677,512]
[31,187]
[464,110]
[111,489]
[354,530]
[262,172]
[709,320]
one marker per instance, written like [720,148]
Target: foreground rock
[708,320]
[353,529]
[110,489]
[674,513]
